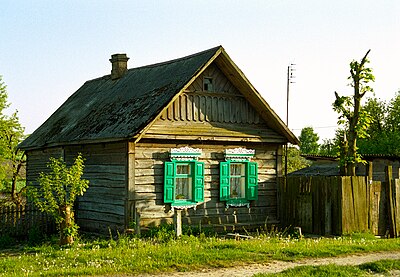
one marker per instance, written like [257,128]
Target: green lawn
[379,267]
[161,253]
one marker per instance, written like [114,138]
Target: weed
[161,233]
[381,266]
[325,270]
[160,252]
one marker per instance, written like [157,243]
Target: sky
[48,49]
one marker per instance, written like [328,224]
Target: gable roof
[109,110]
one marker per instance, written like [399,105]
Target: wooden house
[190,134]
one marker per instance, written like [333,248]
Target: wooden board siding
[217,131]
[222,114]
[149,164]
[221,84]
[104,203]
[37,162]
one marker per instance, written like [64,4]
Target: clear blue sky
[48,49]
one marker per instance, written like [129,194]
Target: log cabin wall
[102,207]
[217,118]
[149,164]
[37,160]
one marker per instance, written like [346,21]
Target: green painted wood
[251,181]
[224,181]
[169,187]
[199,182]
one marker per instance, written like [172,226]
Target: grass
[379,267]
[161,253]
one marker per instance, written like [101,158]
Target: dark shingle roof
[318,170]
[104,109]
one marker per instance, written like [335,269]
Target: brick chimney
[119,65]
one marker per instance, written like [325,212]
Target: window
[183,186]
[208,84]
[238,179]
[183,178]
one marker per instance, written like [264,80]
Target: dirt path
[278,266]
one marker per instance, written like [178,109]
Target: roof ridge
[178,59]
[162,63]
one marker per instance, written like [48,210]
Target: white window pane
[183,169]
[237,169]
[237,187]
[183,189]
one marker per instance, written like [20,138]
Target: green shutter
[169,176]
[251,181]
[199,182]
[224,181]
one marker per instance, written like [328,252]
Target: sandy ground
[278,266]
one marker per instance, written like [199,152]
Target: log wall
[37,162]
[102,207]
[148,196]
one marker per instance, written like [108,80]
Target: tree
[351,115]
[384,128]
[11,134]
[295,161]
[57,193]
[309,141]
[329,147]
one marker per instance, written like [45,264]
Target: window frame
[210,84]
[182,156]
[251,177]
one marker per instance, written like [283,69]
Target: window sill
[237,203]
[183,205]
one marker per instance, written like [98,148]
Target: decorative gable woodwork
[221,84]
[223,113]
[225,104]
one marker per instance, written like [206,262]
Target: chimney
[119,65]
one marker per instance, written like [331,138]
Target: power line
[321,127]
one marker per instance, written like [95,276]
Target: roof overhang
[236,76]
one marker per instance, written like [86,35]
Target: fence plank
[361,204]
[396,199]
[17,221]
[330,205]
[390,202]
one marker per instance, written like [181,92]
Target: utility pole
[290,78]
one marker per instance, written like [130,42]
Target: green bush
[35,236]
[7,241]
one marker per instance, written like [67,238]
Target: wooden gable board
[144,130]
[277,129]
[221,114]
[236,76]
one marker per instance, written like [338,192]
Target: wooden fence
[18,221]
[339,205]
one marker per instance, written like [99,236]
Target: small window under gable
[208,84]
[238,178]
[184,178]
